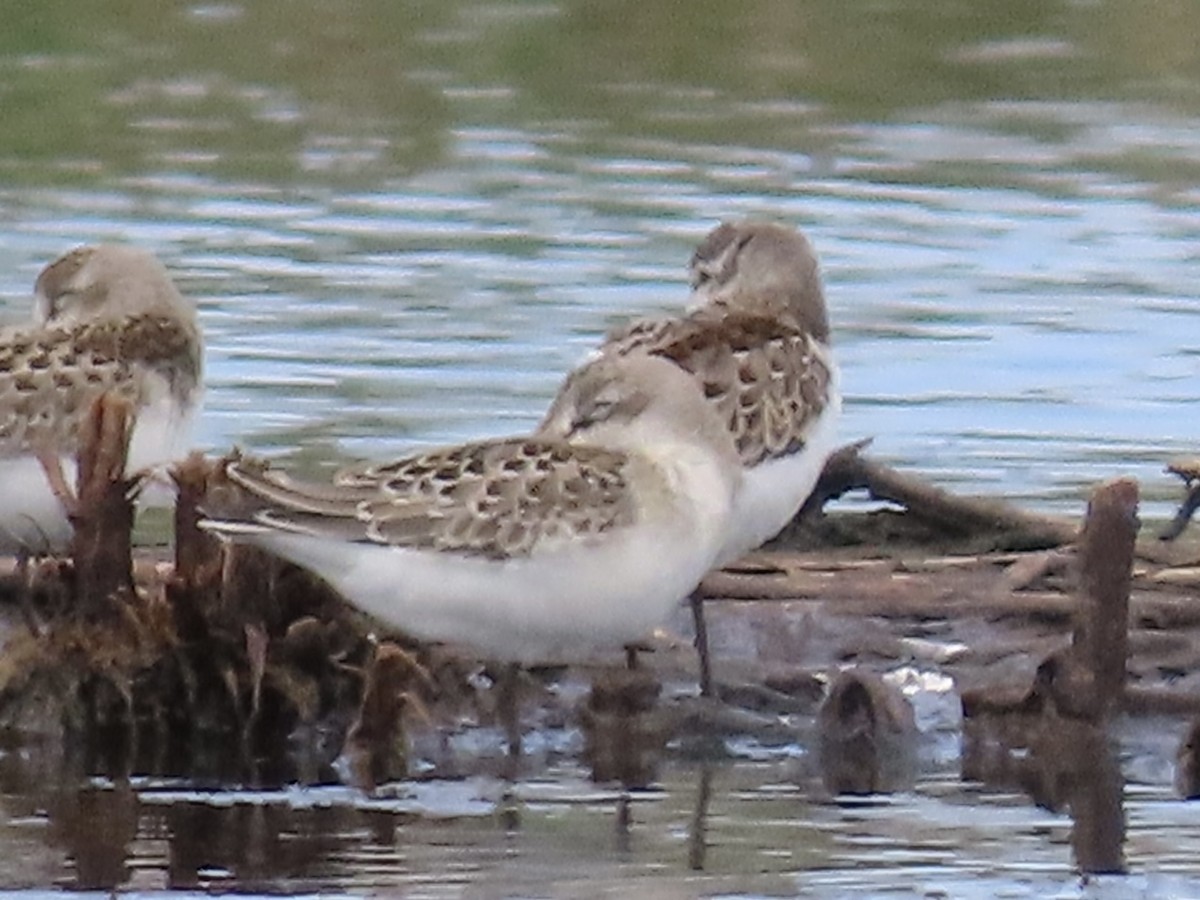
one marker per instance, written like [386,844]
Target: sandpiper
[525,548]
[757,343]
[106,318]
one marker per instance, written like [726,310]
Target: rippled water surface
[757,823]
[403,221]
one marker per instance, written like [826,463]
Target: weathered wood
[1096,802]
[866,733]
[280,649]
[977,586]
[1060,688]
[890,594]
[1086,680]
[374,744]
[1189,471]
[848,469]
[1159,700]
[197,553]
[1187,763]
[195,587]
[103,514]
[1101,638]
[1065,764]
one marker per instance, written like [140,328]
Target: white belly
[534,609]
[31,517]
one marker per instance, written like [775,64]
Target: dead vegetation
[222,653]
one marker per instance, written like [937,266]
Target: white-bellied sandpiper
[528,548]
[107,318]
[756,342]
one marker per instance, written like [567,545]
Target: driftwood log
[847,469]
[1189,471]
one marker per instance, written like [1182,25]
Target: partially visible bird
[107,318]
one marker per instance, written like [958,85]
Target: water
[403,221]
[745,828]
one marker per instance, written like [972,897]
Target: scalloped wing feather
[769,380]
[499,499]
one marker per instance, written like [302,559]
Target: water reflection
[291,93]
[258,847]
[1063,765]
[745,827]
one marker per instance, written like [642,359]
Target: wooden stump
[374,745]
[103,510]
[1100,642]
[1085,681]
[197,553]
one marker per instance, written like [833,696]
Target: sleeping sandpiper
[757,343]
[526,548]
[107,318]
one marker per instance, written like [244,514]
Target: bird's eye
[599,410]
[48,308]
[64,298]
[701,275]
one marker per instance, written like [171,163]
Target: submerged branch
[847,469]
[1189,471]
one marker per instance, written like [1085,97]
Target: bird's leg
[633,661]
[1191,502]
[701,642]
[25,592]
[508,687]
[52,467]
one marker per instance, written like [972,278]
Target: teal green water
[403,221]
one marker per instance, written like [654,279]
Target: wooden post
[195,589]
[374,744]
[1101,638]
[103,513]
[197,554]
